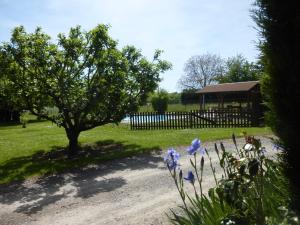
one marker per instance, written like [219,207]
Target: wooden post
[203,100]
[200,101]
[221,101]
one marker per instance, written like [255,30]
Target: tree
[174,98]
[159,101]
[238,69]
[189,96]
[9,110]
[201,70]
[84,75]
[279,26]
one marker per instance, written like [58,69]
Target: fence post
[190,118]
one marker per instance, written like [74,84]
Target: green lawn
[39,148]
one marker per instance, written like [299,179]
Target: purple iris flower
[202,151]
[172,158]
[263,150]
[277,147]
[190,177]
[173,154]
[195,146]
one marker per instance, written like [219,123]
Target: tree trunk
[73,142]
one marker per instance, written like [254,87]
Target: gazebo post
[219,101]
[200,102]
[248,100]
[222,101]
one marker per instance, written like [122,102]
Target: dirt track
[136,190]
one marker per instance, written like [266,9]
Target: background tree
[84,75]
[201,70]
[280,48]
[159,101]
[238,69]
[9,109]
[174,98]
[189,96]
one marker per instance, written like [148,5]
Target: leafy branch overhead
[84,75]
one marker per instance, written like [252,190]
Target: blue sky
[182,28]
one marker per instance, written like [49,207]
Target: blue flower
[172,164]
[202,151]
[172,158]
[190,177]
[196,143]
[195,146]
[277,147]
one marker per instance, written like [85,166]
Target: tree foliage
[174,98]
[279,26]
[189,96]
[238,69]
[9,110]
[84,75]
[201,70]
[159,101]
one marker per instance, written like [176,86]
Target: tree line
[202,70]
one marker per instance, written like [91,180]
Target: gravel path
[135,190]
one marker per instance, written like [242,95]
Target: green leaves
[253,167]
[84,75]
[253,191]
[159,101]
[238,69]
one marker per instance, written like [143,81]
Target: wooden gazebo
[246,94]
[241,92]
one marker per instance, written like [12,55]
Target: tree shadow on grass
[83,176]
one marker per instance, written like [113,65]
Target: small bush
[159,101]
[24,118]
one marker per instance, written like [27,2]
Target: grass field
[40,148]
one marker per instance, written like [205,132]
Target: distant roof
[229,87]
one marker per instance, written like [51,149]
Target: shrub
[24,118]
[174,98]
[252,190]
[159,101]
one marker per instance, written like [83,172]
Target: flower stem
[180,190]
[197,175]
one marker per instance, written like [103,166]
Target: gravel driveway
[135,190]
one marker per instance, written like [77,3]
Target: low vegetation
[252,189]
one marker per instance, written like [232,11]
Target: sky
[181,28]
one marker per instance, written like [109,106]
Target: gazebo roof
[229,87]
